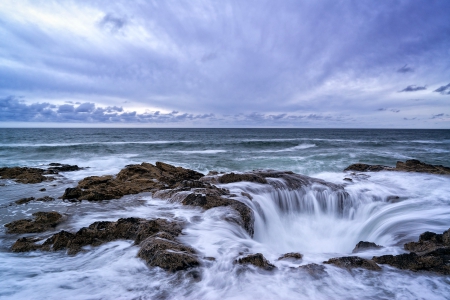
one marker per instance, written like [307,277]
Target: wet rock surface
[412,165]
[291,256]
[24,175]
[35,175]
[42,221]
[430,253]
[314,270]
[164,252]
[157,239]
[351,262]
[132,179]
[257,260]
[363,246]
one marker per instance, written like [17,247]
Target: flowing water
[319,221]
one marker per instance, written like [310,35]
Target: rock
[25,244]
[251,177]
[209,201]
[291,255]
[42,190]
[105,231]
[63,168]
[155,237]
[24,200]
[348,179]
[247,195]
[412,165]
[45,199]
[167,254]
[367,168]
[362,246]
[430,253]
[43,221]
[350,262]
[315,270]
[24,175]
[415,165]
[414,262]
[132,179]
[257,260]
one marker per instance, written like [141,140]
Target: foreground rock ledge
[430,253]
[157,239]
[350,262]
[412,165]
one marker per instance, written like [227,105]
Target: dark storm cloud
[405,69]
[413,88]
[444,90]
[282,59]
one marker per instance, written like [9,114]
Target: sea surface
[388,208]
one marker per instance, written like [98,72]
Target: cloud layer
[278,63]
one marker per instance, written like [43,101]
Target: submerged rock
[362,246]
[24,200]
[412,165]
[350,262]
[291,255]
[43,221]
[430,253]
[257,260]
[24,175]
[315,270]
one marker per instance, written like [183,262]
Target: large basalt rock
[314,270]
[24,175]
[42,221]
[132,179]
[412,165]
[430,253]
[363,246]
[157,239]
[209,201]
[257,260]
[351,262]
[428,242]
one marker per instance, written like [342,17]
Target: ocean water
[306,221]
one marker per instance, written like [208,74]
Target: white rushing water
[386,208]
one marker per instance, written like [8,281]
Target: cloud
[227,57]
[112,23]
[405,69]
[413,88]
[444,90]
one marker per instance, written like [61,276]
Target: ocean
[285,221]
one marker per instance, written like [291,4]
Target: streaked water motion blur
[388,208]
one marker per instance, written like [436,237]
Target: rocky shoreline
[157,238]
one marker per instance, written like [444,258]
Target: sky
[225,63]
